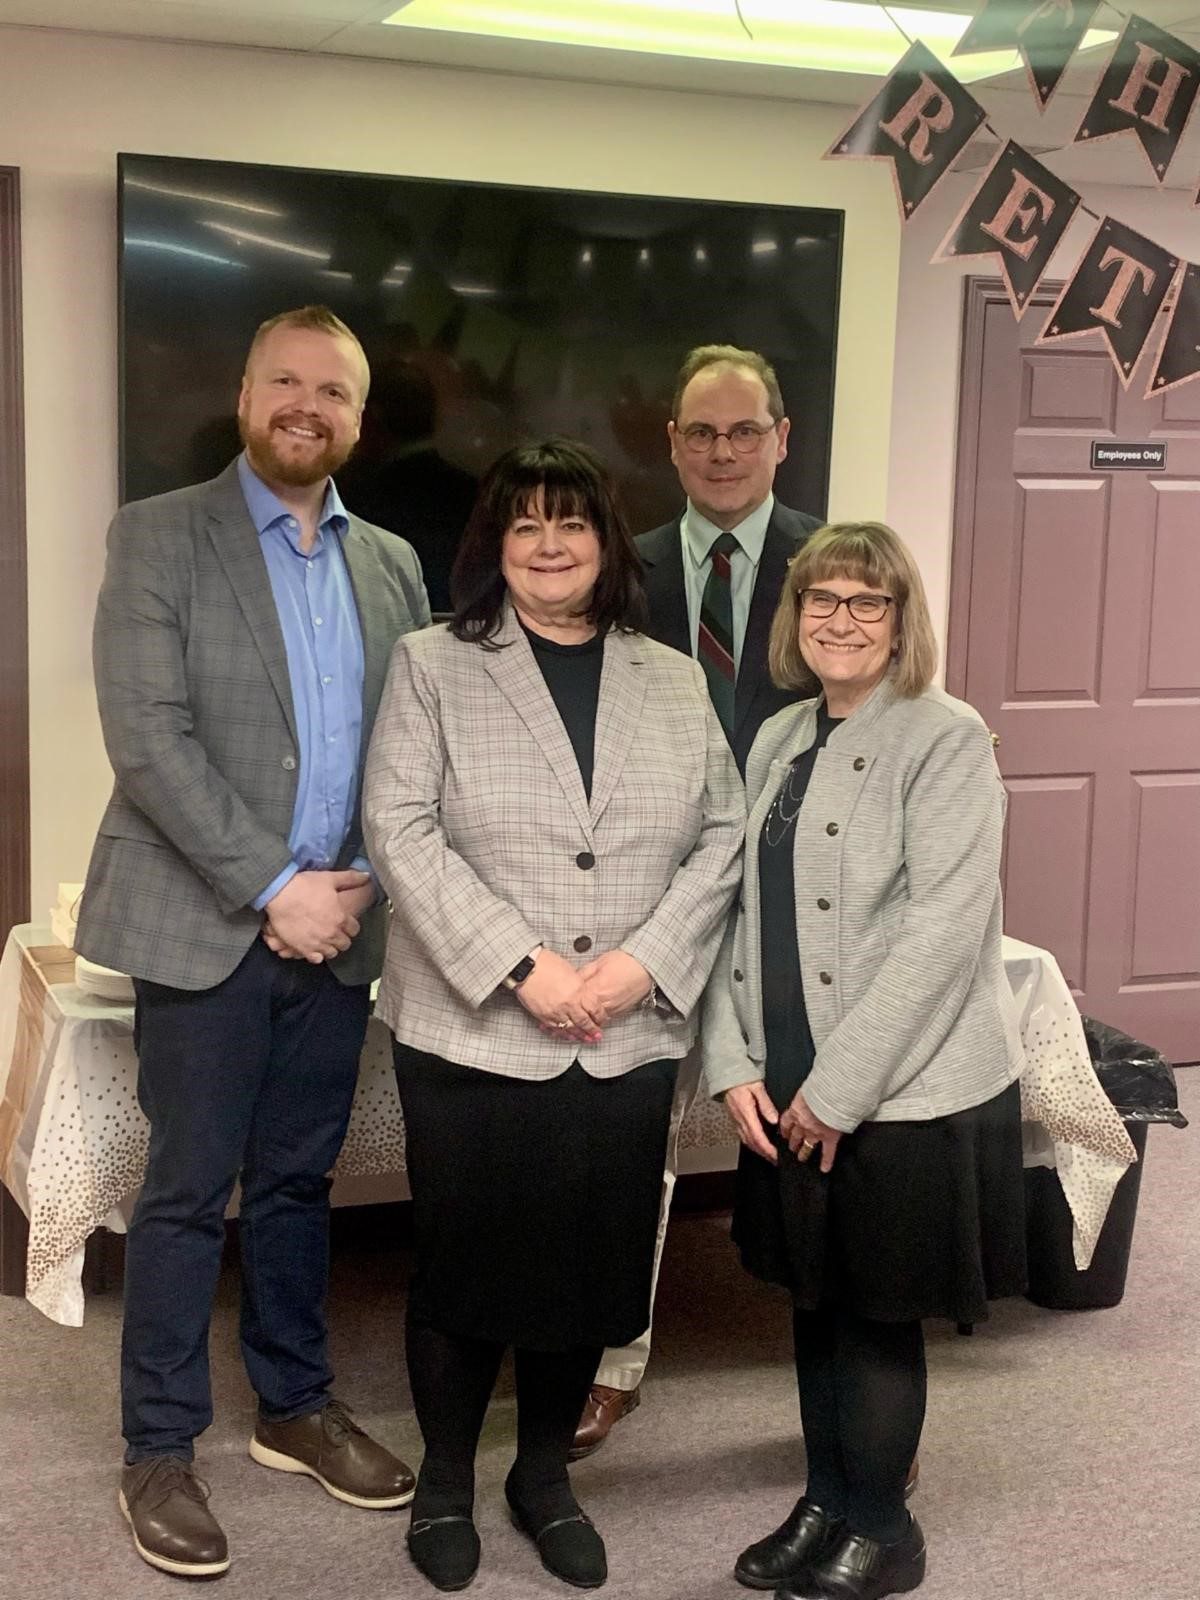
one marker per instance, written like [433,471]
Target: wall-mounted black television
[489,314]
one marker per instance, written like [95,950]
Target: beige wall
[926,370]
[69,103]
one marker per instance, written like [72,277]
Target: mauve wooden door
[1075,630]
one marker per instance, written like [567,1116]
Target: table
[73,1139]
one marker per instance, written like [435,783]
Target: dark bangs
[569,479]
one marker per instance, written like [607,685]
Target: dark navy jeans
[253,1079]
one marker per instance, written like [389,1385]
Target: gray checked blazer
[196,708]
[898,916]
[478,824]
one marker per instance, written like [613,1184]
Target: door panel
[1075,629]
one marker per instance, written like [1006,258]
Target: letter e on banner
[1019,213]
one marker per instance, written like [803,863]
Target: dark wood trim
[14,648]
[14,619]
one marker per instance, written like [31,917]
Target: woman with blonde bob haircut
[860,1031]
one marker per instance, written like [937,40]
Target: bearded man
[242,637]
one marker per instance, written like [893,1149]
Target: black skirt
[916,1219]
[535,1205]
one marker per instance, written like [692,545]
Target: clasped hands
[315,915]
[752,1111]
[577,1002]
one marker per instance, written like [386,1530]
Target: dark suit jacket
[196,707]
[757,698]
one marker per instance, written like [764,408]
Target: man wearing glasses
[713,579]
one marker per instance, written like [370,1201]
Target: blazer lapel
[618,714]
[518,677]
[236,541]
[375,619]
[666,596]
[778,550]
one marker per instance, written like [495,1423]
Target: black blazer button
[586,860]
[859,763]
[737,975]
[583,943]
[827,977]
[822,904]
[831,828]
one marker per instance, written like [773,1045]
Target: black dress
[916,1219]
[535,1204]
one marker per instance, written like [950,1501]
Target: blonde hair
[315,319]
[870,553]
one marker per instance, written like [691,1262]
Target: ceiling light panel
[821,35]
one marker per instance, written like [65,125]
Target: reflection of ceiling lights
[822,35]
[243,237]
[182,250]
[197,194]
[483,290]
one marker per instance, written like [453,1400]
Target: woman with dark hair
[552,807]
[860,1031]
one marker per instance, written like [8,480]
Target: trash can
[1141,1085]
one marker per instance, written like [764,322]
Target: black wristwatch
[522,970]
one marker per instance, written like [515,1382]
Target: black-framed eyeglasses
[744,437]
[862,607]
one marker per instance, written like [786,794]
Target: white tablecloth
[73,1139]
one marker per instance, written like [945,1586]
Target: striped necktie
[715,634]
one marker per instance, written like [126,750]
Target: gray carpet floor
[1061,1457]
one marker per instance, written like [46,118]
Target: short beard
[272,468]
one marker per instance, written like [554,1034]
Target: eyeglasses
[862,607]
[744,437]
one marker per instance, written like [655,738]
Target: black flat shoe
[785,1555]
[445,1550]
[569,1546]
[859,1568]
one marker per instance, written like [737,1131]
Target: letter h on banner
[919,121]
[1148,88]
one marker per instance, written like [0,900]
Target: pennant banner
[920,121]
[1019,213]
[1046,32]
[1117,290]
[1149,88]
[1179,355]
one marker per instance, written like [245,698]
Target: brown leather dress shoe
[604,1409]
[166,1506]
[329,1445]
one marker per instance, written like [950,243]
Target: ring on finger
[807,1146]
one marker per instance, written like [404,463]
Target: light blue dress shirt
[323,640]
[699,536]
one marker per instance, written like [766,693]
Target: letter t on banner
[1148,88]
[1117,290]
[1019,213]
[919,121]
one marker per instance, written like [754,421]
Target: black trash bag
[1136,1078]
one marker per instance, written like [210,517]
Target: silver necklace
[780,815]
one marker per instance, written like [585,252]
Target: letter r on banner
[928,111]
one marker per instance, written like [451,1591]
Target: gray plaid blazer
[196,708]
[898,916]
[477,822]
